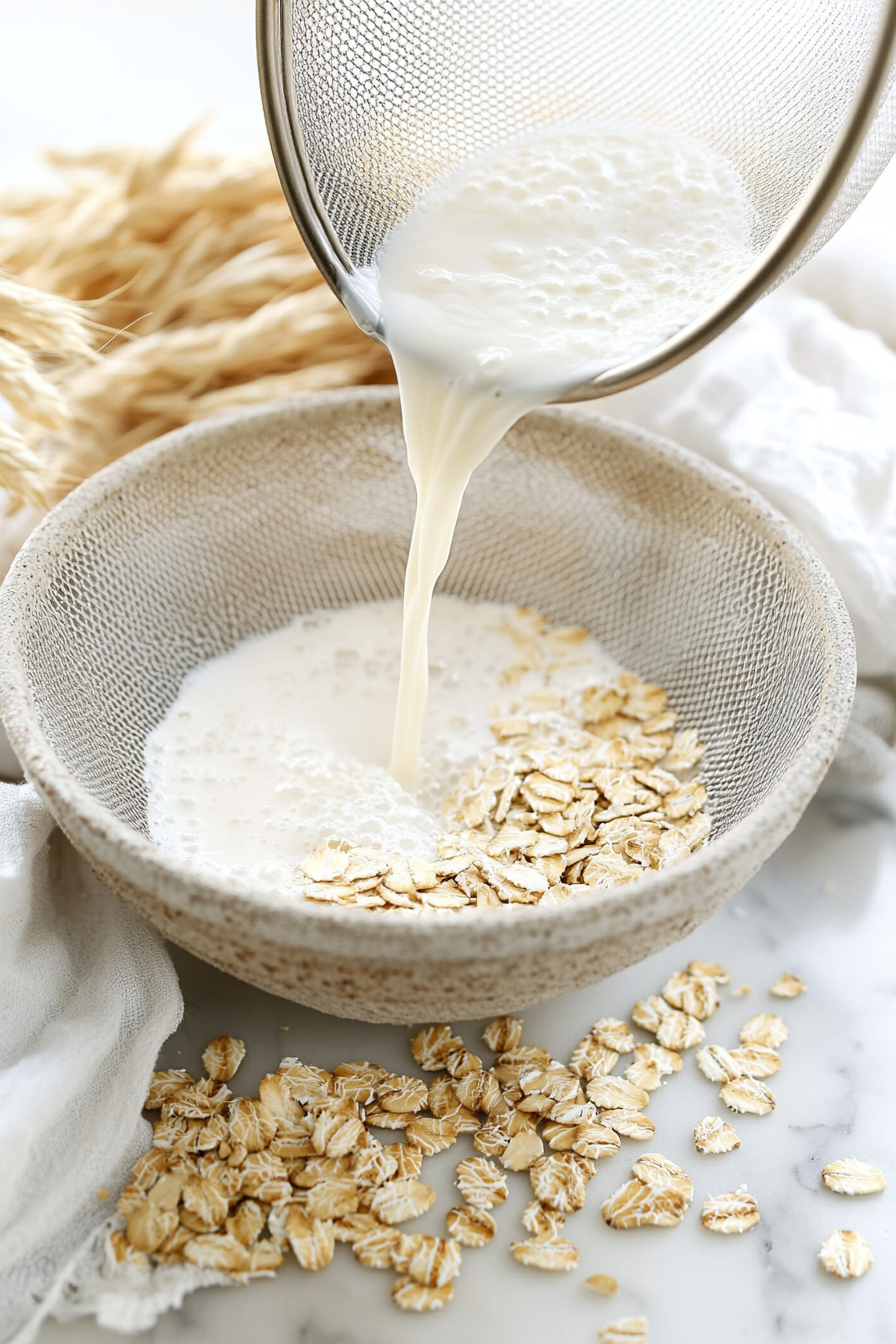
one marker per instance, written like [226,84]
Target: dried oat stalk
[195,259]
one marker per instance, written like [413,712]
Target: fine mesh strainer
[231,527]
[369,102]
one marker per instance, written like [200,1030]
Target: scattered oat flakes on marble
[218,1250]
[629,1124]
[333,1198]
[312,1240]
[602,1284]
[615,1034]
[400,1200]
[692,993]
[748,1096]
[409,1160]
[617,1094]
[471,1226]
[432,1045]
[503,1034]
[679,1031]
[540,1220]
[522,1150]
[166,1083]
[592,1059]
[148,1226]
[401,1094]
[375,1248]
[635,1204]
[404,1250]
[848,1176]
[628,1330]
[411,1296]
[222,1057]
[713,969]
[431,1135]
[788,987]
[756,1061]
[732,1213]
[558,1182]
[435,1261]
[546,1251]
[764,1029]
[355,1226]
[846,1254]
[593,1141]
[717,1065]
[481,1183]
[651,1064]
[712,1134]
[660,1173]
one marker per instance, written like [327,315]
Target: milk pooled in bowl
[519,276]
[285,740]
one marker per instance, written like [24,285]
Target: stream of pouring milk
[515,279]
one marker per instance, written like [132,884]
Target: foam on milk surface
[519,276]
[564,251]
[285,739]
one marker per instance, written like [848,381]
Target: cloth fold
[87,996]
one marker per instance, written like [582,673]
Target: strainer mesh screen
[237,532]
[390,94]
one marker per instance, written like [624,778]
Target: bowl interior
[232,528]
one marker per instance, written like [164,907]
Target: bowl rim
[173,881]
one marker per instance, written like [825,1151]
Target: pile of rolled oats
[233,1183]
[587,789]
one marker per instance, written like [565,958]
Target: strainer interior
[388,97]
[179,552]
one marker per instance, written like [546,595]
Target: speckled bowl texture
[231,527]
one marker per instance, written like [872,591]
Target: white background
[75,73]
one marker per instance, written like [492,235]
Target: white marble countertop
[821,908]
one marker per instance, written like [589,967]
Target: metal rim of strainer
[442,935]
[312,221]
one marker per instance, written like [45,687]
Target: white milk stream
[517,277]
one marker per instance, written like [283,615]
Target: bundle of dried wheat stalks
[149,290]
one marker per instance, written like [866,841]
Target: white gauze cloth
[87,996]
[799,400]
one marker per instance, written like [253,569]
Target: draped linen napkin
[87,996]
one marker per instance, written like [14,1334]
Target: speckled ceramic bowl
[233,526]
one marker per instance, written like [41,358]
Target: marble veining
[822,908]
